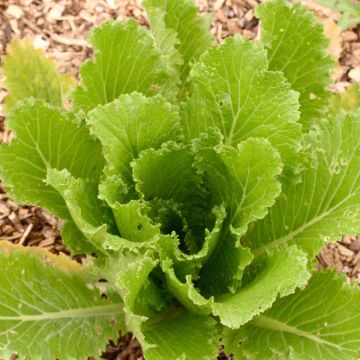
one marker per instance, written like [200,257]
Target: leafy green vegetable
[297,47]
[30,74]
[309,217]
[201,180]
[126,60]
[36,320]
[301,327]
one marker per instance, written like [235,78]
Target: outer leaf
[126,60]
[46,139]
[307,216]
[47,301]
[243,99]
[244,179]
[183,336]
[130,274]
[191,29]
[167,41]
[131,124]
[297,47]
[29,73]
[301,327]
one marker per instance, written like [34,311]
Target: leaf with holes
[47,301]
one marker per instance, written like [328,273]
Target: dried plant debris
[343,256]
[28,225]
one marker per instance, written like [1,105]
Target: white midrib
[261,250]
[273,324]
[95,311]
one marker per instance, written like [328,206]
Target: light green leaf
[129,272]
[182,336]
[284,270]
[168,174]
[297,46]
[126,60]
[75,240]
[45,138]
[167,41]
[133,222]
[243,99]
[90,214]
[181,19]
[245,180]
[28,73]
[279,275]
[185,292]
[325,205]
[47,301]
[131,124]
[320,322]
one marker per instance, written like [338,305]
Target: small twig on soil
[9,238]
[68,41]
[26,234]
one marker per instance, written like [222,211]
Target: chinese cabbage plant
[200,179]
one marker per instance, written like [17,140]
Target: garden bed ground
[60,28]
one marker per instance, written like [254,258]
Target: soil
[60,27]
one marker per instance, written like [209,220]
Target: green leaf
[325,204]
[28,73]
[89,213]
[186,264]
[245,180]
[47,301]
[243,99]
[168,174]
[183,21]
[284,270]
[167,42]
[133,222]
[129,272]
[45,138]
[75,240]
[126,60]
[131,124]
[182,336]
[297,47]
[320,322]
